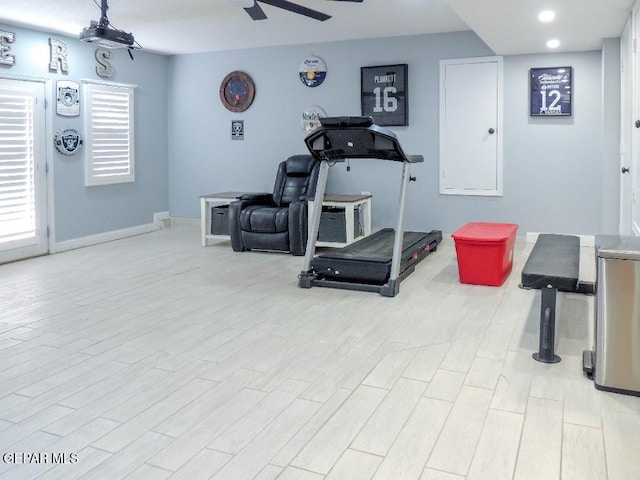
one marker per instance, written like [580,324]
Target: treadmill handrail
[340,138]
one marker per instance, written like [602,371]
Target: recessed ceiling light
[546,16]
[553,43]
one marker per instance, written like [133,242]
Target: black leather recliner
[276,221]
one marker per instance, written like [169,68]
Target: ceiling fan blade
[256,12]
[292,7]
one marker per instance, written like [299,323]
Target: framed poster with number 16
[384,94]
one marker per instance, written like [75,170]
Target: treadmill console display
[340,138]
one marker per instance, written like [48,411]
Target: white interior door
[627,128]
[23,199]
[470,126]
[635,137]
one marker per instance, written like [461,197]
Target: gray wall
[560,175]
[203,158]
[553,168]
[82,211]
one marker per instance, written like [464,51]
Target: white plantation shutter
[109,133]
[17,166]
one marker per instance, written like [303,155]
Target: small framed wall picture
[237,91]
[237,129]
[384,94]
[550,91]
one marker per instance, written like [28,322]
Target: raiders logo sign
[68,141]
[68,98]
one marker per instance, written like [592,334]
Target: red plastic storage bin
[485,252]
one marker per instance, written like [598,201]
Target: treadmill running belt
[369,260]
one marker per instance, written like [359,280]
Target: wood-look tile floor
[153,357]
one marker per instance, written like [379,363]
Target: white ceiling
[190,26]
[511,27]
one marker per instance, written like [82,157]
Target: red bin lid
[485,232]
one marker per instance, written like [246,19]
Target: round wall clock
[237,91]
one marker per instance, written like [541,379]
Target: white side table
[349,203]
[208,201]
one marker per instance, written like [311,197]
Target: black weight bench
[552,266]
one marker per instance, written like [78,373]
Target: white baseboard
[102,237]
[585,240]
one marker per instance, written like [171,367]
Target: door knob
[637,123]
[492,131]
[625,169]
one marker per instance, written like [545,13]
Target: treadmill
[379,262]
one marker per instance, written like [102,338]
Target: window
[17,166]
[109,133]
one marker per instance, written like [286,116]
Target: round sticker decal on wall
[313,71]
[67,141]
[311,117]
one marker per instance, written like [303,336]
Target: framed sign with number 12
[550,91]
[384,94]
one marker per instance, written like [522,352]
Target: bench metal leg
[545,353]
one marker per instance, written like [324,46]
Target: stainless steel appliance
[615,361]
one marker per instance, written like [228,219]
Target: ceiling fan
[253,8]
